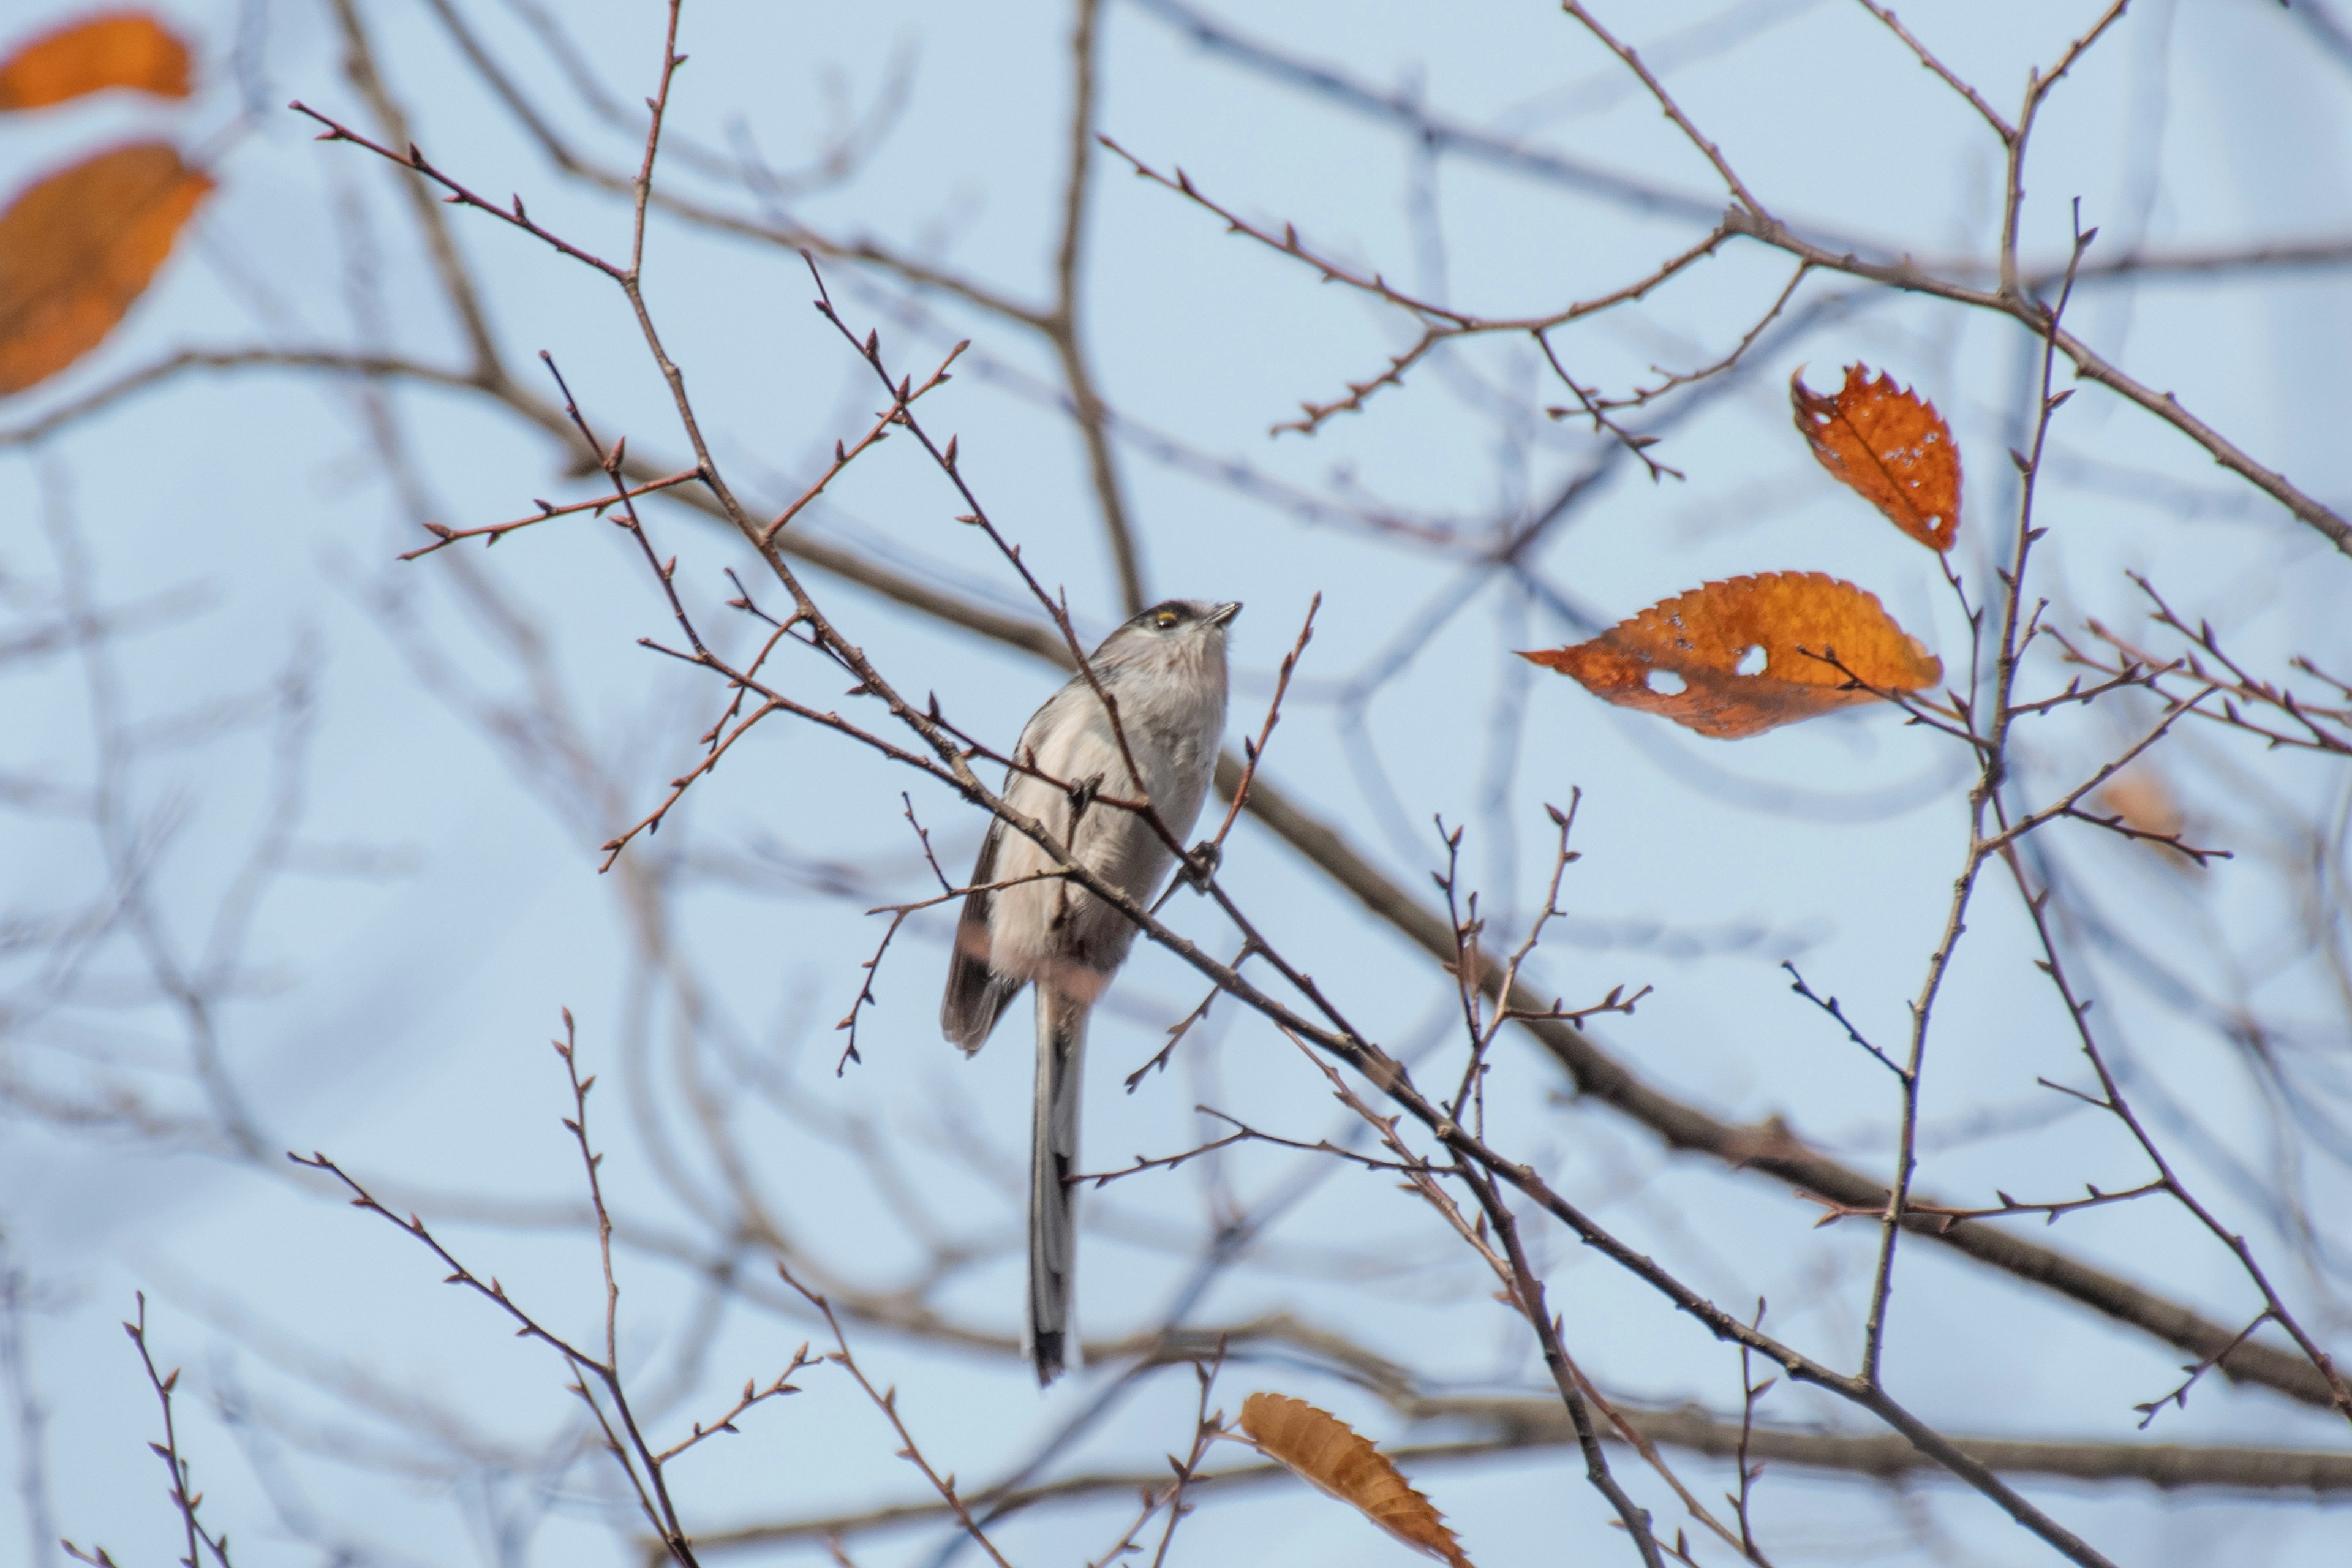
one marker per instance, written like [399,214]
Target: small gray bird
[1166,671]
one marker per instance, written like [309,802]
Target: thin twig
[887,1402]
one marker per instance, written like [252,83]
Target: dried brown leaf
[1684,657]
[1329,1455]
[1890,446]
[80,247]
[114,48]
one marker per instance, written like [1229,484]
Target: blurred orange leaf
[77,248]
[1890,446]
[1328,1454]
[1739,657]
[117,48]
[2141,799]
[2143,802]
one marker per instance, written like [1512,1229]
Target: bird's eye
[1166,620]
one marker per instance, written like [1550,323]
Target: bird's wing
[976,995]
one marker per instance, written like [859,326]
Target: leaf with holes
[77,249]
[1890,446]
[1742,657]
[1325,1452]
[117,48]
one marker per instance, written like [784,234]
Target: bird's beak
[1224,611]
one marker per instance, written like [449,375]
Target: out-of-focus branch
[1530,1425]
[790,235]
[1434,131]
[1442,135]
[457,282]
[103,397]
[1061,325]
[1667,104]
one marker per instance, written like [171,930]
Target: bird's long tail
[1052,1159]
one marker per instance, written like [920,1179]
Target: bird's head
[1170,635]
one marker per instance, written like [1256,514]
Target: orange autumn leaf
[117,48]
[1739,657]
[80,247]
[1890,446]
[1329,1455]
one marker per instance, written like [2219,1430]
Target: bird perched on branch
[1164,674]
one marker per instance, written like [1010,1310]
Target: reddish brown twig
[1750,1392]
[445,537]
[2017,626]
[201,1543]
[845,456]
[1833,1211]
[1158,1059]
[2179,1397]
[1206,1430]
[887,1402]
[1199,866]
[596,1380]
[512,215]
[1439,323]
[900,914]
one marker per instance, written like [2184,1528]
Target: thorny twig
[878,431]
[2179,1396]
[1206,1430]
[2111,1099]
[1829,1006]
[1521,1285]
[1946,1217]
[1439,323]
[641,1463]
[2318,727]
[1158,1062]
[900,914]
[2018,625]
[1750,1391]
[1206,1427]
[444,537]
[1254,751]
[1469,969]
[1527,1287]
[887,1402]
[1242,1133]
[201,1543]
[611,461]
